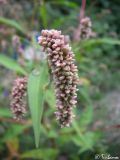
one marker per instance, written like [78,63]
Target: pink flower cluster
[64,72]
[85,28]
[18,106]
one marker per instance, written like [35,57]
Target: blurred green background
[96,129]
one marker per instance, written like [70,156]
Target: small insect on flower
[64,72]
[18,103]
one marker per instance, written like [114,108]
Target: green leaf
[65,3]
[103,41]
[52,134]
[87,116]
[50,97]
[11,64]
[79,132]
[92,139]
[36,85]
[5,112]
[13,131]
[58,22]
[13,24]
[43,14]
[84,93]
[46,154]
[95,42]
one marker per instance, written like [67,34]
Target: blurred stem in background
[82,10]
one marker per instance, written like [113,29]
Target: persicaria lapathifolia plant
[64,72]
[18,105]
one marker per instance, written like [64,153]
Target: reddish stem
[82,10]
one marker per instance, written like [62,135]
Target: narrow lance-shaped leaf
[95,42]
[11,64]
[43,14]
[36,84]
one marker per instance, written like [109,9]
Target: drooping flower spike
[18,105]
[64,72]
